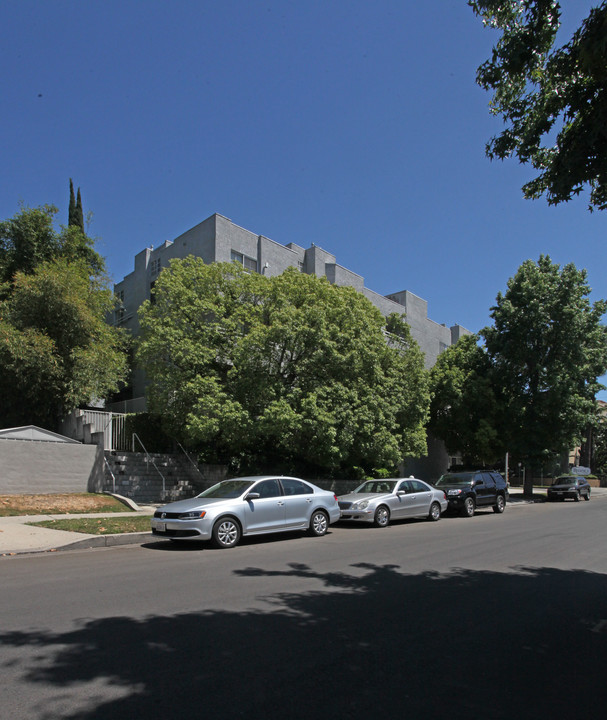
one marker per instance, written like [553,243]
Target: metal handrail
[148,459]
[190,459]
[111,473]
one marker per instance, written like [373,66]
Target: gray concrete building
[218,239]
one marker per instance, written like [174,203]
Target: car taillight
[335,496]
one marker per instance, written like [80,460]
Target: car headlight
[360,505]
[194,514]
[454,492]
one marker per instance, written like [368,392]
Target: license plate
[160,527]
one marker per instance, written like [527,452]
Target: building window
[248,263]
[156,266]
[300,266]
[442,347]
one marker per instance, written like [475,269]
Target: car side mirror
[400,493]
[253,496]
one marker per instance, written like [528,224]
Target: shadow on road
[372,642]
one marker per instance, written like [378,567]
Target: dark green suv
[468,490]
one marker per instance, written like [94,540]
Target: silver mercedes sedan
[378,501]
[248,506]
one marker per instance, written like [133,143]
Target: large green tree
[465,412]
[289,372]
[56,350]
[553,100]
[547,347]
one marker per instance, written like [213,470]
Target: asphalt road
[489,617]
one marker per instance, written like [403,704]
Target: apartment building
[218,239]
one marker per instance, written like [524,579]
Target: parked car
[468,490]
[379,501]
[248,506]
[569,486]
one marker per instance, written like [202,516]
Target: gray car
[248,506]
[378,501]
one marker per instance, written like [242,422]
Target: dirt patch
[11,505]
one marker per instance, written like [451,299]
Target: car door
[489,489]
[298,499]
[421,498]
[404,505]
[265,513]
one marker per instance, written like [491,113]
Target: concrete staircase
[140,477]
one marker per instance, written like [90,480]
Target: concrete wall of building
[48,467]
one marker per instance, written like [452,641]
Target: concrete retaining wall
[48,467]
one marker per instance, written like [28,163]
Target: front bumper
[359,515]
[182,529]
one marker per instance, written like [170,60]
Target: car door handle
[280,502]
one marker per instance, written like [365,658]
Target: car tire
[434,513]
[587,496]
[577,496]
[382,516]
[468,507]
[226,533]
[500,504]
[319,523]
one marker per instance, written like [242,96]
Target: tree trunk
[528,484]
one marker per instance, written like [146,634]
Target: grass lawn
[100,526]
[60,504]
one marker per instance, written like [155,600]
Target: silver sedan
[248,506]
[377,501]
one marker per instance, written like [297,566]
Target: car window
[267,488]
[489,479]
[402,487]
[376,486]
[295,487]
[418,486]
[227,489]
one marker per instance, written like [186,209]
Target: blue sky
[354,125]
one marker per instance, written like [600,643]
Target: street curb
[96,541]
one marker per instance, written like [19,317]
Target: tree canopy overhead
[288,372]
[553,100]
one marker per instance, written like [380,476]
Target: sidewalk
[17,538]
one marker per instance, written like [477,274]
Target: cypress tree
[71,216]
[79,214]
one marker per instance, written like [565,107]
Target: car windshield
[455,479]
[227,489]
[377,486]
[565,481]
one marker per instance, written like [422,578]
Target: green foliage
[288,372]
[599,460]
[553,100]
[464,411]
[56,350]
[531,388]
[547,347]
[29,239]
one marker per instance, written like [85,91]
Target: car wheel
[577,496]
[468,509]
[587,495]
[319,523]
[500,504]
[226,533]
[382,516]
[434,513]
